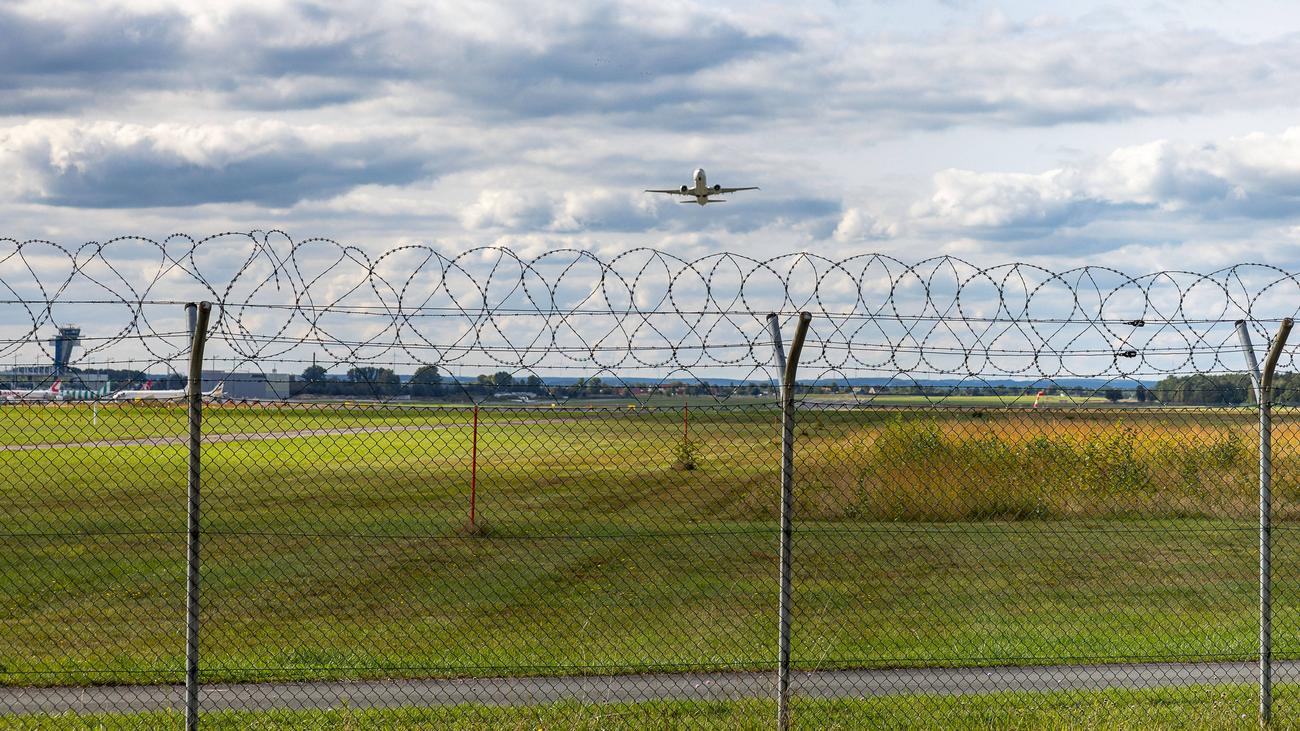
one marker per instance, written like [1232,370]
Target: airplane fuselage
[699,187]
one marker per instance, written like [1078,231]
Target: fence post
[1263,387]
[197,315]
[787,367]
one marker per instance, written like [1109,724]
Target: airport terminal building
[251,386]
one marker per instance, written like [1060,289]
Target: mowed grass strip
[349,556]
[347,607]
[1195,707]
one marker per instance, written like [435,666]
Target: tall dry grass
[972,465]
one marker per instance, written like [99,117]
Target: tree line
[1234,388]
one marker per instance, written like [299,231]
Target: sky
[1139,136]
[1147,135]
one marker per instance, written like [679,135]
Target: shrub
[685,455]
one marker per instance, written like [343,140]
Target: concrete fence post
[197,316]
[1263,388]
[788,368]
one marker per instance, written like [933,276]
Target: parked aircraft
[86,394]
[699,189]
[35,394]
[149,394]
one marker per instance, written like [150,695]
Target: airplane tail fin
[218,391]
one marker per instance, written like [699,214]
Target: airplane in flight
[700,190]
[149,394]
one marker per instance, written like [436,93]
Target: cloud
[857,225]
[499,57]
[1255,176]
[509,209]
[567,212]
[273,164]
[56,62]
[650,65]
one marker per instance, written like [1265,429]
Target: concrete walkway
[632,688]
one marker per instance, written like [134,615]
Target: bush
[685,455]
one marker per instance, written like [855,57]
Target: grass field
[924,537]
[1220,707]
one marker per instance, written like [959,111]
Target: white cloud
[857,224]
[1256,176]
[509,209]
[105,164]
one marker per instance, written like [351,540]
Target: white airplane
[148,394]
[700,190]
[35,394]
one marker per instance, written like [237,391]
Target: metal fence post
[198,321]
[1263,387]
[788,367]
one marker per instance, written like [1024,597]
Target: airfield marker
[473,471]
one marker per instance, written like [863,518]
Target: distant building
[252,386]
[43,376]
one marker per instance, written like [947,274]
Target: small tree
[371,380]
[1113,394]
[426,382]
[685,455]
[313,379]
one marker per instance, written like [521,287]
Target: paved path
[632,688]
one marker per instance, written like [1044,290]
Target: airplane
[148,394]
[86,394]
[700,190]
[35,394]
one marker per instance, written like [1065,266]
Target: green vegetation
[1230,388]
[924,537]
[1218,707]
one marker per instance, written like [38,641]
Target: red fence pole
[473,470]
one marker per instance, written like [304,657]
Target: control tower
[63,343]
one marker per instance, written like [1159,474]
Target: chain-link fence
[388,565]
[486,490]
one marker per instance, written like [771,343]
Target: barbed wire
[630,315]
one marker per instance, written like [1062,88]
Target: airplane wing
[674,191]
[733,190]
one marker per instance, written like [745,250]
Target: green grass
[348,556]
[1219,707]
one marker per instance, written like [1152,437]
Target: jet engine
[717,187]
[684,188]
